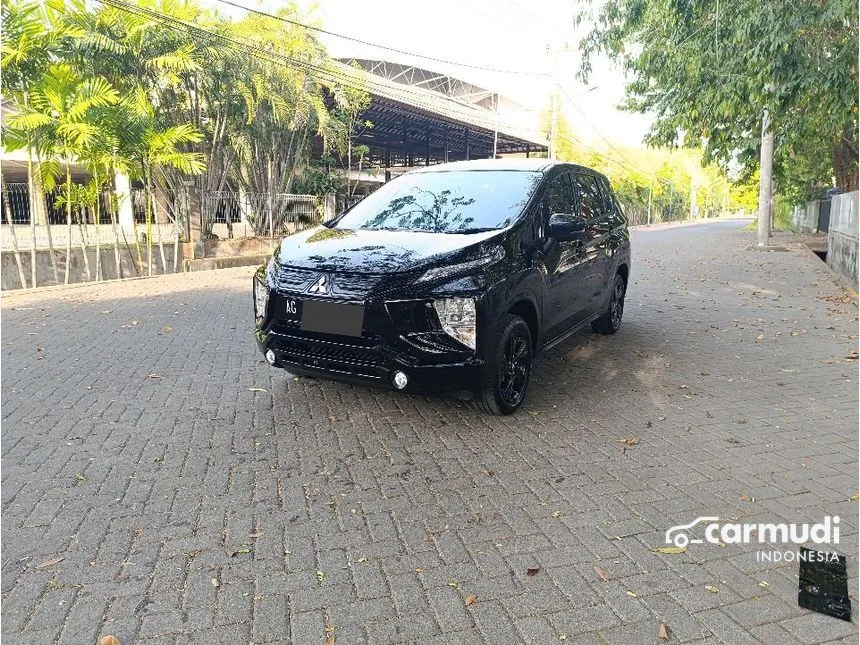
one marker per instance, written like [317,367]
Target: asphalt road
[161,483]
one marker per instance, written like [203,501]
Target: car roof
[508,163]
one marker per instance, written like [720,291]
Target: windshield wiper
[469,231]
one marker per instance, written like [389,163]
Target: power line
[317,72]
[377,46]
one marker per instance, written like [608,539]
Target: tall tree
[707,71]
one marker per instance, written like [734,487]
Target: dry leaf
[154,375]
[256,389]
[759,338]
[255,535]
[629,441]
[602,573]
[670,550]
[763,584]
[167,329]
[747,498]
[419,570]
[532,571]
[215,583]
[712,589]
[242,550]
[854,497]
[632,595]
[109,640]
[52,561]
[663,632]
[471,600]
[329,640]
[853,356]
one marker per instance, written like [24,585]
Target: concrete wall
[805,217]
[842,237]
[9,278]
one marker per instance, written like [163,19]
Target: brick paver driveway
[162,484]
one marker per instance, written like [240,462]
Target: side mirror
[565,227]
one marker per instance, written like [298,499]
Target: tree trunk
[15,243]
[845,162]
[82,227]
[31,195]
[148,211]
[68,222]
[112,211]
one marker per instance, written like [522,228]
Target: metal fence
[228,214]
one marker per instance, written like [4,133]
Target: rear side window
[613,208]
[590,199]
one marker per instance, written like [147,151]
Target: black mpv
[450,277]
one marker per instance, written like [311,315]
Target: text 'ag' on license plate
[344,319]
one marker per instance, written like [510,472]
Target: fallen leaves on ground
[110,639]
[532,571]
[50,562]
[712,589]
[320,575]
[663,632]
[600,571]
[257,389]
[632,595]
[747,498]
[242,550]
[471,600]
[254,536]
[629,441]
[154,375]
[670,550]
[215,583]
[853,356]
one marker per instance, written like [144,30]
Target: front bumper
[430,362]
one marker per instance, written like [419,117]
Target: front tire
[610,321]
[512,368]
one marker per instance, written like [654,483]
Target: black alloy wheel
[513,368]
[610,321]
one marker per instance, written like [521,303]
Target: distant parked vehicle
[451,277]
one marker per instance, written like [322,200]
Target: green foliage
[123,91]
[708,70]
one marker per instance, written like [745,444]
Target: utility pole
[553,129]
[650,193]
[495,125]
[765,181]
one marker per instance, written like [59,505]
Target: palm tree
[57,118]
[32,36]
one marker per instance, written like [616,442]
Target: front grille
[293,279]
[354,284]
[316,352]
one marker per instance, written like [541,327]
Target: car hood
[371,251]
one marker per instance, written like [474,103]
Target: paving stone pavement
[162,484]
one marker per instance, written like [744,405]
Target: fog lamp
[400,380]
[457,317]
[270,357]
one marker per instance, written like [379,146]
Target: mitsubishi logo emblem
[320,286]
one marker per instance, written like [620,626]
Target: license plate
[341,318]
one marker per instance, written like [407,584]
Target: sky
[512,35]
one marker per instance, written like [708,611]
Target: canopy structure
[421,117]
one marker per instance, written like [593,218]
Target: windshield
[465,201]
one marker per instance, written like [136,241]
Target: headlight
[457,317]
[462,267]
[261,298]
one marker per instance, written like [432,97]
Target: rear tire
[610,321]
[511,369]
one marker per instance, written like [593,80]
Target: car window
[560,197]
[612,206]
[452,201]
[590,199]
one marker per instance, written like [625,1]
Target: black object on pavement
[824,584]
